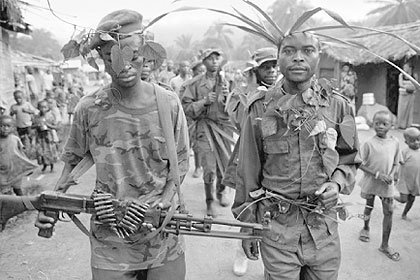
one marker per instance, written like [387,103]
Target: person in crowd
[32,89]
[48,80]
[293,163]
[23,112]
[168,73]
[408,183]
[14,164]
[120,128]
[46,147]
[204,101]
[380,159]
[407,93]
[182,77]
[197,68]
[72,101]
[348,83]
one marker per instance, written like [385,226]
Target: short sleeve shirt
[131,158]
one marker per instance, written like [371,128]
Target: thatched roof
[383,45]
[11,17]
[21,59]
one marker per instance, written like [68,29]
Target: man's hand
[43,221]
[387,179]
[211,97]
[328,194]
[250,247]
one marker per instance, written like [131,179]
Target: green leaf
[308,14]
[106,37]
[267,37]
[153,51]
[127,53]
[70,50]
[348,130]
[302,19]
[117,59]
[91,61]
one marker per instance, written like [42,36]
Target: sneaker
[240,265]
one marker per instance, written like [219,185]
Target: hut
[374,75]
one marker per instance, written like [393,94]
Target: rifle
[129,215]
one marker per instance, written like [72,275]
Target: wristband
[377,175]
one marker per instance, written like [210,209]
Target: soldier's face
[268,72]
[212,62]
[299,57]
[132,71]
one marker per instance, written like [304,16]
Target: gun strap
[79,224]
[166,121]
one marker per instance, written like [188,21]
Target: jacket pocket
[276,157]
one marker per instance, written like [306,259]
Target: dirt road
[66,256]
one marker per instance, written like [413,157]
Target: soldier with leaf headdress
[121,128]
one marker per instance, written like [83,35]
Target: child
[409,178]
[380,156]
[13,162]
[23,112]
[44,124]
[72,100]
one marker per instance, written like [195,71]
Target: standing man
[182,77]
[299,156]
[167,74]
[119,126]
[204,101]
[32,90]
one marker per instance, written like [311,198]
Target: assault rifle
[126,217]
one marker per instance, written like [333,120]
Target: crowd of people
[297,151]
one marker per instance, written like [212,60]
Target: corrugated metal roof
[381,44]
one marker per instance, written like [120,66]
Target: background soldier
[204,101]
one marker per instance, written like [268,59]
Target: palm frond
[266,16]
[181,9]
[308,14]
[380,9]
[267,36]
[376,32]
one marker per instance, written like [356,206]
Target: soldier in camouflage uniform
[204,105]
[119,126]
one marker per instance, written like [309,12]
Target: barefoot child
[380,155]
[409,178]
[13,162]
[46,148]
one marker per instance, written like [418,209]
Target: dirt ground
[66,256]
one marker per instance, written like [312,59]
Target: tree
[218,35]
[41,42]
[186,47]
[396,11]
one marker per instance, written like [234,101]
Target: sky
[87,13]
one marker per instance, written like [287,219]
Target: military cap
[263,55]
[209,52]
[121,21]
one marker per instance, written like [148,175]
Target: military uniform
[131,159]
[193,101]
[280,152]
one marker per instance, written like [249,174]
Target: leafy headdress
[114,27]
[265,27]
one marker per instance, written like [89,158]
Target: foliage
[284,12]
[81,45]
[41,42]
[219,35]
[396,11]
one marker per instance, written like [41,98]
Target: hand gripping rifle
[124,217]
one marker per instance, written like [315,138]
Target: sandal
[390,253]
[364,235]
